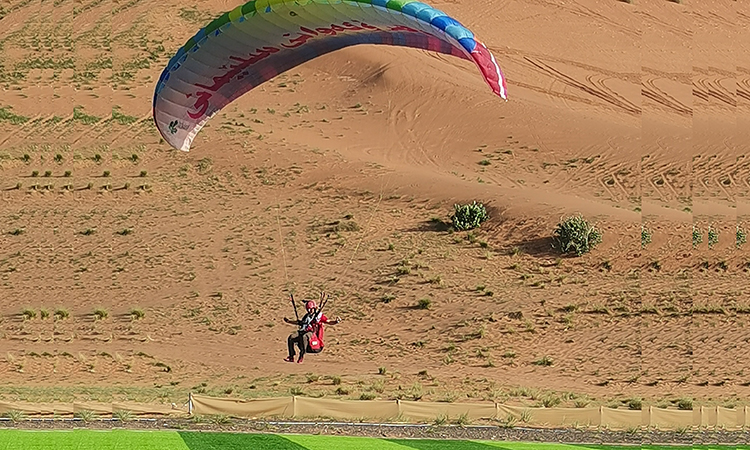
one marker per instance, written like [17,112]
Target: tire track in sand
[593,86]
[658,95]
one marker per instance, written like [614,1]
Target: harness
[306,324]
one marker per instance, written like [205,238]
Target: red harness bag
[316,340]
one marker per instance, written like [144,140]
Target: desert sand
[336,176]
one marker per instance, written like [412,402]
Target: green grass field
[173,440]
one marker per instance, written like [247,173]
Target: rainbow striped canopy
[263,38]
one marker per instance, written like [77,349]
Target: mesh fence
[427,412]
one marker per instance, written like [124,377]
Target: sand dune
[328,176]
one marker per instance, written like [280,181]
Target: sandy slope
[628,113]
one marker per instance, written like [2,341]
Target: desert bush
[470,216]
[463,420]
[685,404]
[220,419]
[697,236]
[403,270]
[14,415]
[635,403]
[86,415]
[741,237]
[509,422]
[645,236]
[122,415]
[345,226]
[550,401]
[576,235]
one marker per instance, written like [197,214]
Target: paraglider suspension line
[367,227]
[281,237]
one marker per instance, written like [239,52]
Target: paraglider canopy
[263,38]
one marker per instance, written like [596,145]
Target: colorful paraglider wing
[263,38]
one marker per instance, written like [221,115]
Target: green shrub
[470,216]
[550,401]
[635,404]
[697,236]
[645,236]
[685,404]
[424,303]
[576,235]
[122,415]
[543,361]
[14,415]
[741,237]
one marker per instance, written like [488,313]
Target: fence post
[294,406]
[716,425]
[190,403]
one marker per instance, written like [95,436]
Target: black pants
[301,338]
